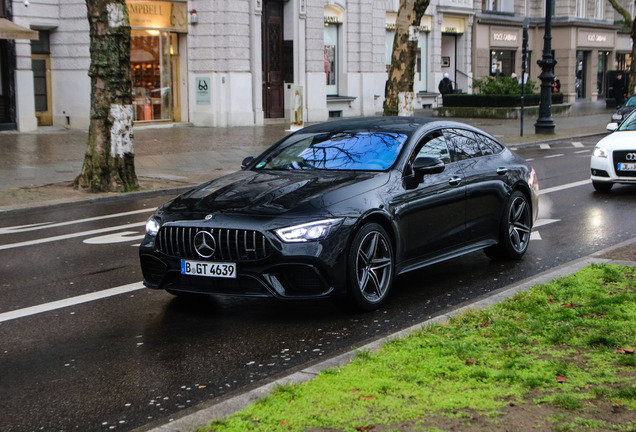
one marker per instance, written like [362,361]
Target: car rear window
[358,151]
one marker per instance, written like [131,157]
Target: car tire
[602,186]
[370,267]
[514,231]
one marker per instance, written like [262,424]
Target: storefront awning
[10,30]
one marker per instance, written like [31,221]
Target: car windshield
[358,151]
[629,124]
[631,101]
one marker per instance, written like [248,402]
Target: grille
[231,244]
[621,156]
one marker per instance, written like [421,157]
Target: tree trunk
[109,158]
[399,91]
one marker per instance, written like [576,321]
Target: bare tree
[399,91]
[631,23]
[109,158]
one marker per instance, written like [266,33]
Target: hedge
[480,100]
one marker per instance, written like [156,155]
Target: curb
[17,211]
[231,404]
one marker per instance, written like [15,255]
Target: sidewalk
[179,155]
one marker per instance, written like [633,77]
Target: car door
[433,219]
[485,172]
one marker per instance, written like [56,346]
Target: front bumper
[289,271]
[606,169]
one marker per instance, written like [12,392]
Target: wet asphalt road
[140,358]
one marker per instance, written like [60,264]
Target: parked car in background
[342,207]
[624,110]
[614,157]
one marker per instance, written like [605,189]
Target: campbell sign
[158,15]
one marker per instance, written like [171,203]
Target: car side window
[487,146]
[432,145]
[463,144]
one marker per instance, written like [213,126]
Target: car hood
[273,193]
[619,140]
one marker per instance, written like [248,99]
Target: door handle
[454,181]
[502,171]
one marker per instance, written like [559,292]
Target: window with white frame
[498,5]
[580,8]
[599,9]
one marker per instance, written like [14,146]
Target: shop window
[150,60]
[502,62]
[507,6]
[333,20]
[421,60]
[331,58]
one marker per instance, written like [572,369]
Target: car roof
[406,125]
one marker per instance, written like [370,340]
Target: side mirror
[427,165]
[247,162]
[611,126]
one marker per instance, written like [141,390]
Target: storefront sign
[505,38]
[596,39]
[202,90]
[158,15]
[453,25]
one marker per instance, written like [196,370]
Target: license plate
[627,166]
[208,269]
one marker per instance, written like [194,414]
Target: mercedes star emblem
[204,244]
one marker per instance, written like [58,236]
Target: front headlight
[617,117]
[152,226]
[308,232]
[600,152]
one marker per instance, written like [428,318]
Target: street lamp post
[545,122]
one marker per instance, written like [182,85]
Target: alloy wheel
[374,266]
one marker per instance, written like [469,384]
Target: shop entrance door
[580,81]
[272,37]
[5,101]
[449,56]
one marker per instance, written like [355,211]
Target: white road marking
[72,235]
[553,156]
[120,237]
[563,187]
[582,151]
[544,146]
[72,301]
[577,144]
[544,222]
[43,225]
[534,235]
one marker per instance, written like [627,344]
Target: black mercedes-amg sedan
[340,208]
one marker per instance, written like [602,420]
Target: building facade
[241,62]
[587,41]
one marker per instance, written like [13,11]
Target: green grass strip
[557,351]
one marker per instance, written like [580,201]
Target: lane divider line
[43,225]
[72,301]
[72,235]
[563,187]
